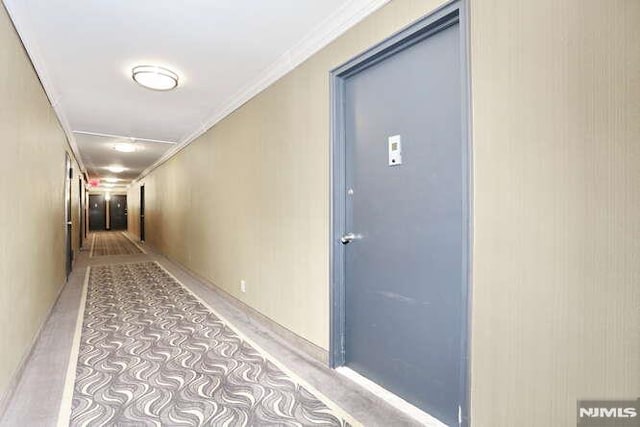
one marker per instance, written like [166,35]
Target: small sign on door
[395,150]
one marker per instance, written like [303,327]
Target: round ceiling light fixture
[125,147]
[115,168]
[154,77]
[112,180]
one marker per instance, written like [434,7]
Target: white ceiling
[98,153]
[225,51]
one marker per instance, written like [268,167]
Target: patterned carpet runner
[112,243]
[152,354]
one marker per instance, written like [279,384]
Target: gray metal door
[142,231]
[81,212]
[67,214]
[405,251]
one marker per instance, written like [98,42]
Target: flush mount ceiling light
[111,179]
[125,147]
[154,77]
[115,168]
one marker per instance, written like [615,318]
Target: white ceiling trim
[54,98]
[109,135]
[326,32]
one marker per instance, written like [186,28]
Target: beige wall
[249,200]
[133,210]
[556,126]
[32,267]
[556,314]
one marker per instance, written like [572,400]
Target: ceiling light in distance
[115,168]
[124,147]
[111,179]
[154,77]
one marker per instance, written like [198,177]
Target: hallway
[156,345]
[319,213]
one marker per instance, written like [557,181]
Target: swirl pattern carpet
[151,353]
[107,243]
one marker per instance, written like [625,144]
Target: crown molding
[33,53]
[327,31]
[110,135]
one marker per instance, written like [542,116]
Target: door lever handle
[348,238]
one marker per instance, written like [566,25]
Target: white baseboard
[394,400]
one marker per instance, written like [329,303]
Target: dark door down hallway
[118,212]
[97,212]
